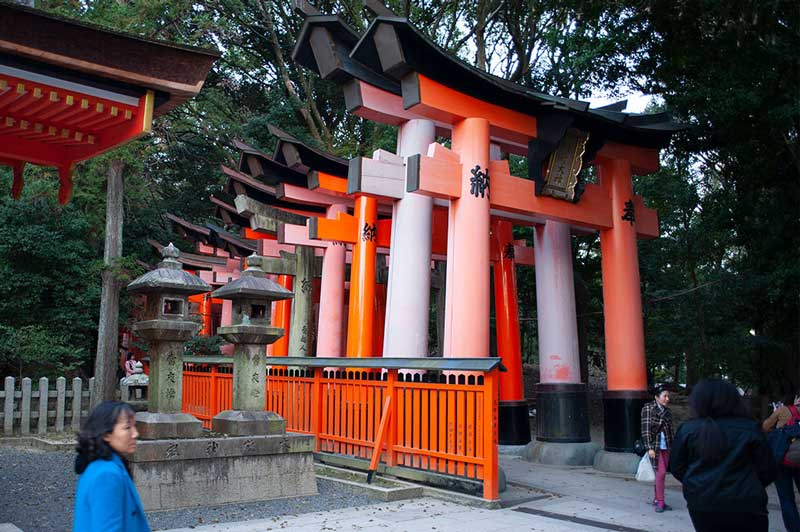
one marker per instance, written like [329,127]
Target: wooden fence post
[316,406]
[215,407]
[76,404]
[8,407]
[44,391]
[25,409]
[391,437]
[61,395]
[490,469]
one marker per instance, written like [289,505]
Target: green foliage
[50,292]
[205,346]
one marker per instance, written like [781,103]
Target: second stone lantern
[252,295]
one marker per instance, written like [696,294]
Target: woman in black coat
[723,461]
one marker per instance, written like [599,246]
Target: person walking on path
[657,438]
[723,461]
[106,499]
[788,477]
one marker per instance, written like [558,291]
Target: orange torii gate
[324,46]
[268,205]
[393,74]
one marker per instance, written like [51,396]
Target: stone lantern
[252,295]
[166,327]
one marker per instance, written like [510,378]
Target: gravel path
[37,491]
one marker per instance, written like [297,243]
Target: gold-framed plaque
[561,175]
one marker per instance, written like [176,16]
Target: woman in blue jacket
[106,500]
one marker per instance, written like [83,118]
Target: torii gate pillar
[622,303]
[466,328]
[561,402]
[408,296]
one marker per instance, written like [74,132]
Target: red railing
[438,420]
[207,390]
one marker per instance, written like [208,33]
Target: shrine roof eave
[271,171]
[333,62]
[235,245]
[251,187]
[395,48]
[97,55]
[188,227]
[228,214]
[306,157]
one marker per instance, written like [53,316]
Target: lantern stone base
[159,426]
[248,423]
[171,474]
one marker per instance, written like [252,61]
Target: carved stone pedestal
[171,474]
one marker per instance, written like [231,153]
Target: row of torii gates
[317,215]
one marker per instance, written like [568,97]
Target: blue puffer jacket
[107,500]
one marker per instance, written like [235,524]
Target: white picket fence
[45,409]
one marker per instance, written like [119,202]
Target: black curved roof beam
[303,158]
[264,168]
[393,46]
[239,184]
[228,214]
[236,246]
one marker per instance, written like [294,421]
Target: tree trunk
[105,364]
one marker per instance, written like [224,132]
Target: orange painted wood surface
[441,103]
[443,423]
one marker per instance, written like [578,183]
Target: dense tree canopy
[720,288]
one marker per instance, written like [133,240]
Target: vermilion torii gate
[271,207]
[394,74]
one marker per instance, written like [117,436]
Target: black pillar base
[562,413]
[622,417]
[514,424]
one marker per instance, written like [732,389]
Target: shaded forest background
[719,288]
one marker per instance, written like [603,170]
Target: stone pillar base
[514,426]
[160,426]
[562,413]
[561,454]
[621,463]
[622,418]
[248,423]
[172,474]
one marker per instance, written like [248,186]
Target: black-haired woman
[657,437]
[723,461]
[106,500]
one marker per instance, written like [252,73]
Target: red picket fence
[207,390]
[437,414]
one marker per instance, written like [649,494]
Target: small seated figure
[137,377]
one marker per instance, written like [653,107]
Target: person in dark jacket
[723,461]
[657,438]
[784,424]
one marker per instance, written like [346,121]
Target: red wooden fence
[439,420]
